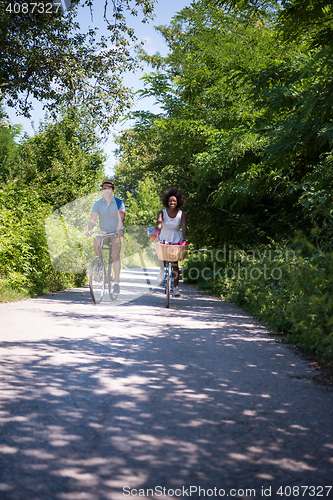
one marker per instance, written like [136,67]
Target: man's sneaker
[116,289]
[176,292]
[160,277]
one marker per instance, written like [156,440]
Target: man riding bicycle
[111,212]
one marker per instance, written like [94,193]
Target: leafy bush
[290,288]
[25,266]
[61,163]
[142,208]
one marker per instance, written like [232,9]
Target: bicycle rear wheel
[168,284]
[97,280]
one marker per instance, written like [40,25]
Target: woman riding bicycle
[169,222]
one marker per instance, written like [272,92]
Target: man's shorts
[116,242]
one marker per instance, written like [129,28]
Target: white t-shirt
[170,227]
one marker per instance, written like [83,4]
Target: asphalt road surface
[133,400]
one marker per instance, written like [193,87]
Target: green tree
[142,208]
[61,163]
[246,126]
[63,160]
[45,56]
[8,146]
[211,140]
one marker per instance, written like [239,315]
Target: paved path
[107,402]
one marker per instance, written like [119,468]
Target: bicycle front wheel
[168,284]
[97,280]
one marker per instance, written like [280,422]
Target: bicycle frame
[166,272]
[168,281]
[99,262]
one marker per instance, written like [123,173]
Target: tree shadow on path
[184,398]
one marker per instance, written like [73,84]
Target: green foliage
[142,209]
[8,146]
[212,139]
[78,77]
[25,265]
[62,161]
[45,56]
[246,131]
[290,288]
[247,123]
[134,151]
[9,294]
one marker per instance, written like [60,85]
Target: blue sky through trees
[164,11]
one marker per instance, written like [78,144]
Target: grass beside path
[51,282]
[290,290]
[9,294]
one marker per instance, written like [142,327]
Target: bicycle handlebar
[102,234]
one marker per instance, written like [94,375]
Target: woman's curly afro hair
[173,191]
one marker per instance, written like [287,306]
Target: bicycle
[168,282]
[99,276]
[170,254]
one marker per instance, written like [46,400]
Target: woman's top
[170,227]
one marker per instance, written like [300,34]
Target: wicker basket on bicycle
[171,253]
